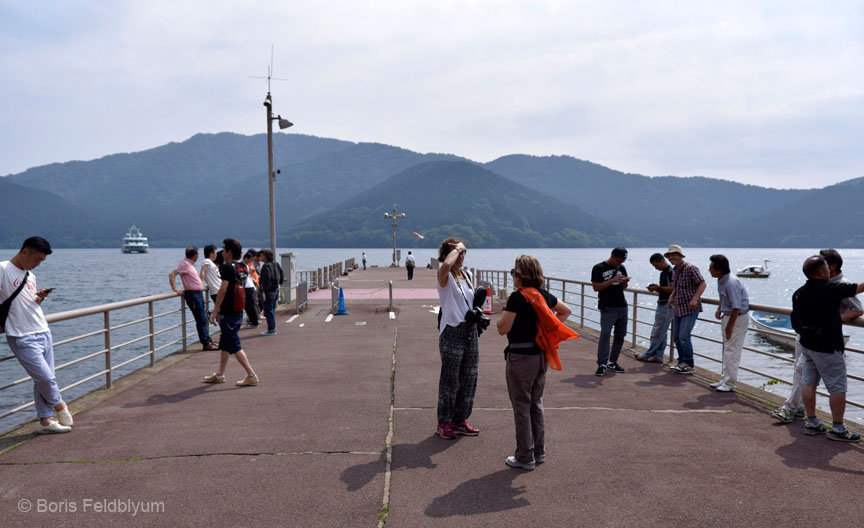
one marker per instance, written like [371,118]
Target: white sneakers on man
[724,388]
[65,417]
[53,427]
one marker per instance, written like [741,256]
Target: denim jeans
[681,328]
[195,302]
[270,298]
[35,352]
[660,332]
[611,317]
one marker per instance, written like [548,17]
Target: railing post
[564,291]
[635,307]
[107,350]
[582,307]
[152,337]
[672,340]
[183,321]
[391,296]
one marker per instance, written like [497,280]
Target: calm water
[86,277]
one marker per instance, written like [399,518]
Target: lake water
[87,277]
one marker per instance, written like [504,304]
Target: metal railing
[575,293]
[109,330]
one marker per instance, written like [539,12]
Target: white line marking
[292,318]
[392,315]
[328,318]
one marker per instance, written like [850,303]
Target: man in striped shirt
[686,301]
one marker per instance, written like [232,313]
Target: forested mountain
[690,211]
[331,192]
[447,198]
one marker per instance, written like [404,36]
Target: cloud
[763,92]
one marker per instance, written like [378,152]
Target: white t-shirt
[453,304]
[409,258]
[211,276]
[25,316]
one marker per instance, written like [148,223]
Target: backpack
[241,272]
[7,304]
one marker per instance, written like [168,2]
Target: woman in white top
[457,343]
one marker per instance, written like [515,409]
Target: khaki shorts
[830,368]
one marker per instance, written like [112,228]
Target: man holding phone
[28,334]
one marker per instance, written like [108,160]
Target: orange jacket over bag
[550,331]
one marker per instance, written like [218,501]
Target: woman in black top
[526,362]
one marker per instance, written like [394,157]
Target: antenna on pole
[269,72]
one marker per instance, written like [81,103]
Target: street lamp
[395,217]
[271,175]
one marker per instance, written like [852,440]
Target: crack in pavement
[667,411]
[195,455]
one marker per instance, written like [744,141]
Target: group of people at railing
[528,319]
[818,310]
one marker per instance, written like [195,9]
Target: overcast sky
[768,93]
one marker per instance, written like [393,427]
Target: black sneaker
[601,370]
[683,368]
[844,436]
[615,367]
[812,430]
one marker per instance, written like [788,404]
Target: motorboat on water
[135,242]
[776,328]
[755,271]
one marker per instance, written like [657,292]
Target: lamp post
[271,175]
[395,217]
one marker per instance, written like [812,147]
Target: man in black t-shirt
[609,279]
[227,315]
[816,318]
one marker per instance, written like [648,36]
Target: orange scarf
[550,331]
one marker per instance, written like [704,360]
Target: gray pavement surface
[307,446]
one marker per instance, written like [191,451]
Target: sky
[765,93]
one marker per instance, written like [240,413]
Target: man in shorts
[816,319]
[228,316]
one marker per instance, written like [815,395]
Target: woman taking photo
[457,343]
[526,361]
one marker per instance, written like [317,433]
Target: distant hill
[447,198]
[658,210]
[214,185]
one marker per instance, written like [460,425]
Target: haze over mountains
[333,193]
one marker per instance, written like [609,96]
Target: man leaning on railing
[28,334]
[192,293]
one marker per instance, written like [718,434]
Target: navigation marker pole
[395,217]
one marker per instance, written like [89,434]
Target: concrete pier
[309,446]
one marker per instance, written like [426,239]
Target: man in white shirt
[28,334]
[409,265]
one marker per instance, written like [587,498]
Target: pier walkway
[309,445]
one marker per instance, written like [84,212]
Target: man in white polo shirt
[28,334]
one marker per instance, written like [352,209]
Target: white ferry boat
[135,242]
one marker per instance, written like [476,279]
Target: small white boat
[135,242]
[776,328]
[755,271]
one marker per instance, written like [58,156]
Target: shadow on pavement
[160,399]
[405,456]
[492,493]
[816,452]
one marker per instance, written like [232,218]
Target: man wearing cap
[609,279]
[686,301]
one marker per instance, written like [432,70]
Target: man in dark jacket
[271,278]
[816,319]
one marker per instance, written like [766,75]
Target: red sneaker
[445,431]
[463,428]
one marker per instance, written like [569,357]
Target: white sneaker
[53,428]
[512,462]
[716,384]
[65,417]
[724,388]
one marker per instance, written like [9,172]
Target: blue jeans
[270,298]
[611,317]
[662,318]
[35,352]
[681,328]
[195,302]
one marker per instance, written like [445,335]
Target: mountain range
[333,193]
